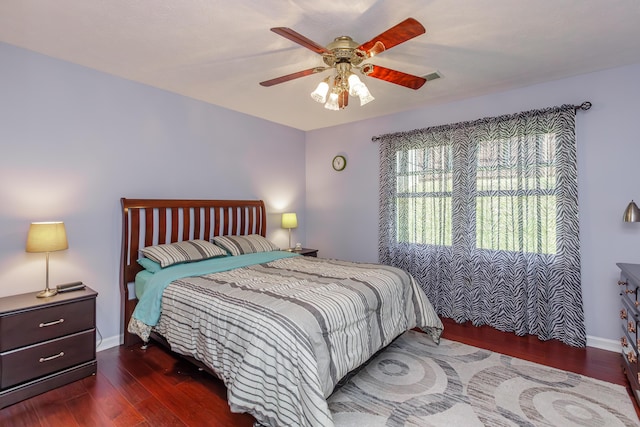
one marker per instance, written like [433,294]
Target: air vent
[432,76]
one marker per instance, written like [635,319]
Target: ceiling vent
[432,76]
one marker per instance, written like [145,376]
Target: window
[424,189]
[514,194]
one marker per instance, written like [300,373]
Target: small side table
[45,342]
[306,252]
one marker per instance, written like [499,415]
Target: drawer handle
[631,357]
[55,322]
[623,313]
[629,291]
[55,356]
[621,283]
[624,342]
[631,327]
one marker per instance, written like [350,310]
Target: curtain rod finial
[584,106]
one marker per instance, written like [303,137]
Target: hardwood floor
[135,387]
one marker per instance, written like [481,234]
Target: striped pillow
[239,245]
[187,251]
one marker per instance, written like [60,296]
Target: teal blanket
[148,308]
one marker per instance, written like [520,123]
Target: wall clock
[339,163]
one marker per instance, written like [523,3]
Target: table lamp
[289,220]
[47,237]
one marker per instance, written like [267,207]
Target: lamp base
[47,293]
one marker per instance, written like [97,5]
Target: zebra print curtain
[484,215]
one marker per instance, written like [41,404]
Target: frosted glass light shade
[366,98]
[354,82]
[363,93]
[320,94]
[332,102]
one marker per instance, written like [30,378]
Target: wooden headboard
[147,222]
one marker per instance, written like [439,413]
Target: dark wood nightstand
[45,342]
[629,286]
[306,252]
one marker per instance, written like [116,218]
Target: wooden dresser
[629,284]
[45,342]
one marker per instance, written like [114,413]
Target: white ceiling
[218,50]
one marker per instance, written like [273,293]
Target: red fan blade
[296,37]
[406,30]
[292,76]
[397,77]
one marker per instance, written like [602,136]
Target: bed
[279,329]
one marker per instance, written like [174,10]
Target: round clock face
[339,163]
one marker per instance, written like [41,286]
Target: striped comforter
[282,334]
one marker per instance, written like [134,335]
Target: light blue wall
[342,207]
[73,141]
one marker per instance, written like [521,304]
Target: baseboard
[603,343]
[109,342]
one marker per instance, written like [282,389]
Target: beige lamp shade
[47,237]
[631,213]
[289,220]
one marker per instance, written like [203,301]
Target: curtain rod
[584,107]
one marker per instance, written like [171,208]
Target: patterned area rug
[415,382]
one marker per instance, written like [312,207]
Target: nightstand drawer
[28,327]
[44,358]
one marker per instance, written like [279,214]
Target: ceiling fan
[345,55]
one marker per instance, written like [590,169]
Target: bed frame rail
[147,222]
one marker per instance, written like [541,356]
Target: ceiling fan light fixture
[354,81]
[344,55]
[320,93]
[364,95]
[359,89]
[332,102]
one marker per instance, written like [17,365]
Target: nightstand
[45,342]
[306,252]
